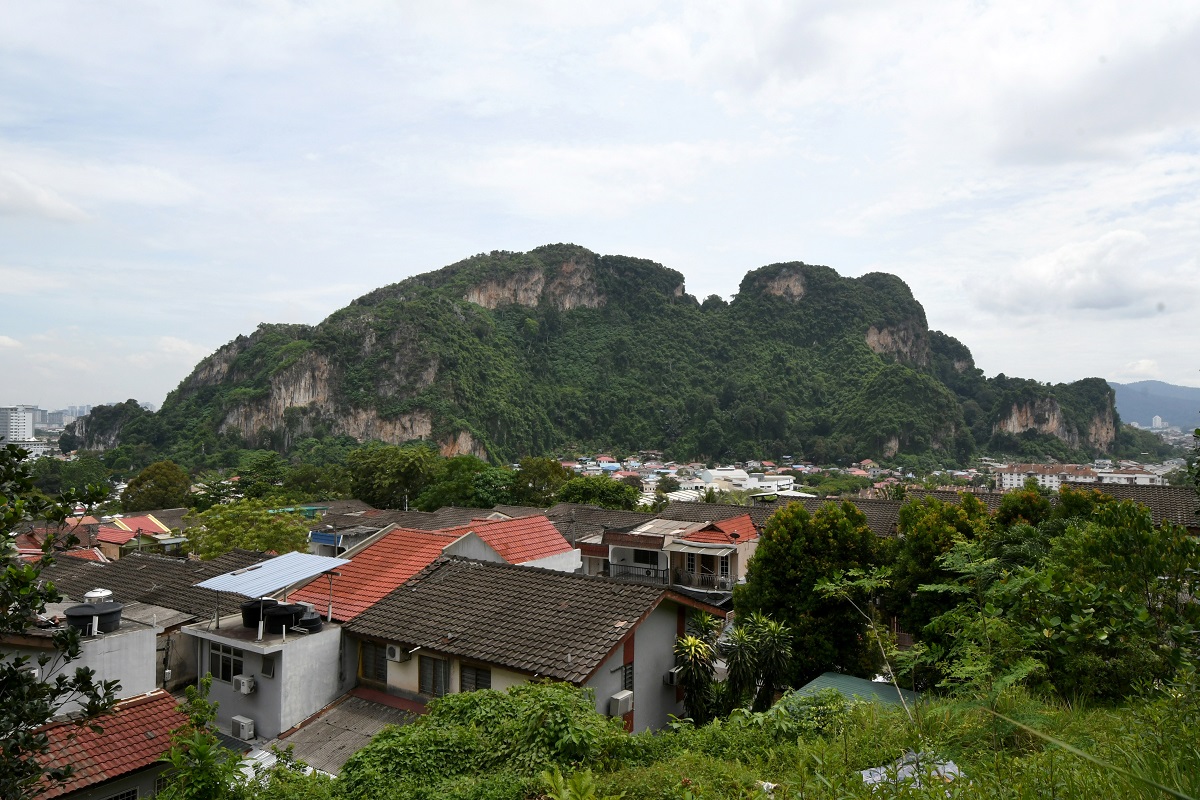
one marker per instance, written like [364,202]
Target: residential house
[159,592]
[461,625]
[121,760]
[120,536]
[396,554]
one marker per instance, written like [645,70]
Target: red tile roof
[89,554]
[133,738]
[725,531]
[114,535]
[145,522]
[373,572]
[517,540]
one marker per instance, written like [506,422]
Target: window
[160,783]
[627,676]
[128,794]
[472,678]
[224,661]
[691,563]
[648,557]
[374,662]
[724,567]
[434,676]
[268,667]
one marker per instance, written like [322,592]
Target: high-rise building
[16,423]
[1157,422]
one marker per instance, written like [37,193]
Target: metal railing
[702,580]
[640,573]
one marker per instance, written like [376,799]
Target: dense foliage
[248,525]
[603,352]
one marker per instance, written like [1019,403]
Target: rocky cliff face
[572,285]
[906,342]
[788,284]
[1044,415]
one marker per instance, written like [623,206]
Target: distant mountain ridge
[505,354]
[1141,401]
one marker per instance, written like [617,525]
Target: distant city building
[16,423]
[1157,422]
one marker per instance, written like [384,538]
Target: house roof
[111,534]
[373,572]
[725,531]
[882,515]
[147,578]
[859,688]
[553,624]
[606,518]
[133,738]
[327,740]
[517,541]
[87,554]
[1176,504]
[146,523]
[273,575]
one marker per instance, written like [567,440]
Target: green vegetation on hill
[560,348]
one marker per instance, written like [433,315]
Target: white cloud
[24,281]
[8,343]
[21,196]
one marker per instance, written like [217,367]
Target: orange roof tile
[114,535]
[517,540]
[725,531]
[145,522]
[373,572]
[133,738]
[87,554]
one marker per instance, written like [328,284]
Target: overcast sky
[173,174]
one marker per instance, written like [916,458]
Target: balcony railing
[640,573]
[702,580]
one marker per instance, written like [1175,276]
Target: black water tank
[283,616]
[80,616]
[310,622]
[252,609]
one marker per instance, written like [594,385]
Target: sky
[174,174]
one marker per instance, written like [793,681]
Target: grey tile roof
[859,688]
[989,499]
[1175,504]
[607,518]
[328,741]
[881,514]
[541,622]
[152,579]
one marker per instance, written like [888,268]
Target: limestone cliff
[1045,415]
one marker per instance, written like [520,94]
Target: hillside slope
[1140,402]
[506,354]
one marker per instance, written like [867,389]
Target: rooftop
[530,620]
[327,740]
[132,738]
[517,541]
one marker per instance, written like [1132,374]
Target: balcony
[640,573]
[703,580]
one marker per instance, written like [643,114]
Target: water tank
[251,610]
[311,622]
[98,596]
[282,616]
[81,617]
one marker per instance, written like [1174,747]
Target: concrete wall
[403,677]
[469,545]
[654,701]
[569,561]
[309,675]
[126,655]
[624,555]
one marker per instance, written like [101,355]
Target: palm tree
[696,659]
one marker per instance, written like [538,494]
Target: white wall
[570,561]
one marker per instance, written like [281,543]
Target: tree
[28,700]
[668,484]
[795,551]
[599,490]
[261,473]
[453,484]
[391,476]
[246,524]
[538,480]
[201,768]
[163,484]
[928,528]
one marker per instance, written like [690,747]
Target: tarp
[679,546]
[267,577]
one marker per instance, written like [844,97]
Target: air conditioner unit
[673,676]
[397,653]
[243,728]
[620,703]
[243,684]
